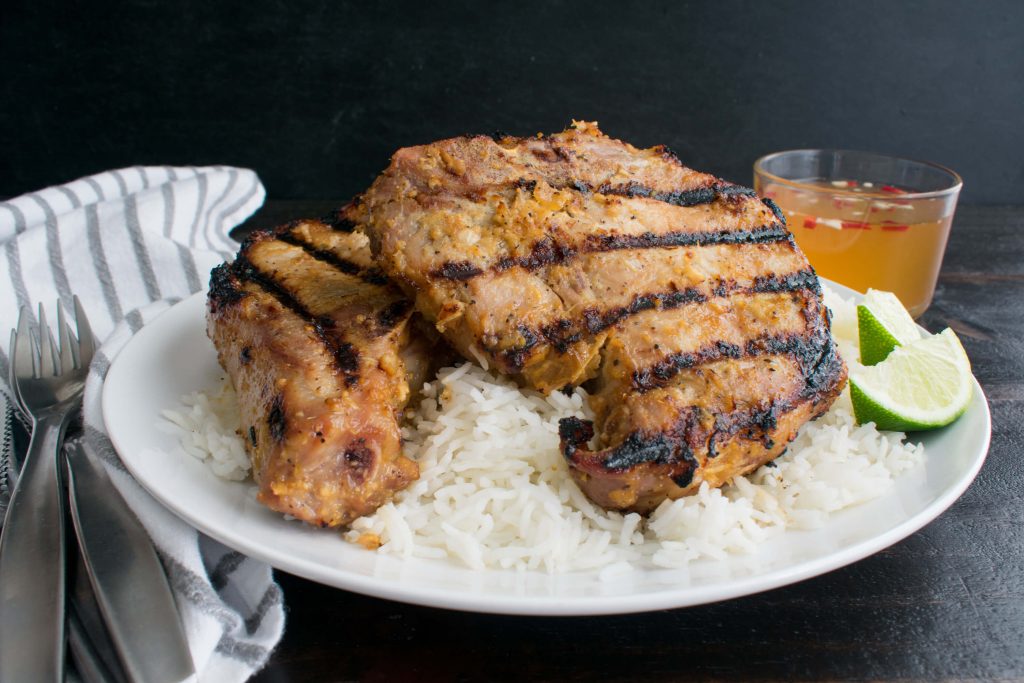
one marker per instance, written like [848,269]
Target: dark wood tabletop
[946,603]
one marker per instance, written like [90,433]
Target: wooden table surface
[946,603]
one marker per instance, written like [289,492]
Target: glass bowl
[865,220]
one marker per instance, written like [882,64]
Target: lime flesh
[923,384]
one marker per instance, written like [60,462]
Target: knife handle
[127,578]
[32,564]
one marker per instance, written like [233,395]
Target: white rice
[494,491]
[210,430]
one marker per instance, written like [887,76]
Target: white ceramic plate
[172,356]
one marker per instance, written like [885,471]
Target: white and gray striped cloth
[131,243]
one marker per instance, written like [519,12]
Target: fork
[49,380]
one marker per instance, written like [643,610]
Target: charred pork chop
[682,299]
[318,347]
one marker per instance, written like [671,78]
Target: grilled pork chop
[318,347]
[681,298]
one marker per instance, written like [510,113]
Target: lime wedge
[883,324]
[921,385]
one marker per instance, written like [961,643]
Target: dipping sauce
[865,233]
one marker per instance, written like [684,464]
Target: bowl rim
[951,190]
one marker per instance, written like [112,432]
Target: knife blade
[92,653]
[12,451]
[127,578]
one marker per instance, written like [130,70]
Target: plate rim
[514,604]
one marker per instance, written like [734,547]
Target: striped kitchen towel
[131,243]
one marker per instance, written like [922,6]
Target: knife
[91,651]
[10,458]
[127,578]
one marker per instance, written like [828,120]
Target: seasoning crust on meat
[681,299]
[318,347]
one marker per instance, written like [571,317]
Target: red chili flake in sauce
[855,225]
[809,223]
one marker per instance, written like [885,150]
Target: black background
[316,96]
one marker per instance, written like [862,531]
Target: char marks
[809,350]
[648,240]
[564,332]
[691,197]
[393,313]
[814,350]
[224,290]
[457,270]
[547,251]
[321,361]
[277,420]
[674,448]
[370,275]
[346,357]
[544,252]
[682,299]
[802,279]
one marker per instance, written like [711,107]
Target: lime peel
[882,325]
[921,385]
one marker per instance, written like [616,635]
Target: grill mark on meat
[516,356]
[544,252]
[565,332]
[372,275]
[649,240]
[393,313]
[547,252]
[754,424]
[347,358]
[358,459]
[345,355]
[669,448]
[676,446]
[277,420]
[456,270]
[775,209]
[574,432]
[813,350]
[224,290]
[689,197]
[825,372]
[692,197]
[636,449]
[801,279]
[808,350]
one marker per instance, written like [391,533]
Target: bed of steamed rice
[494,491]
